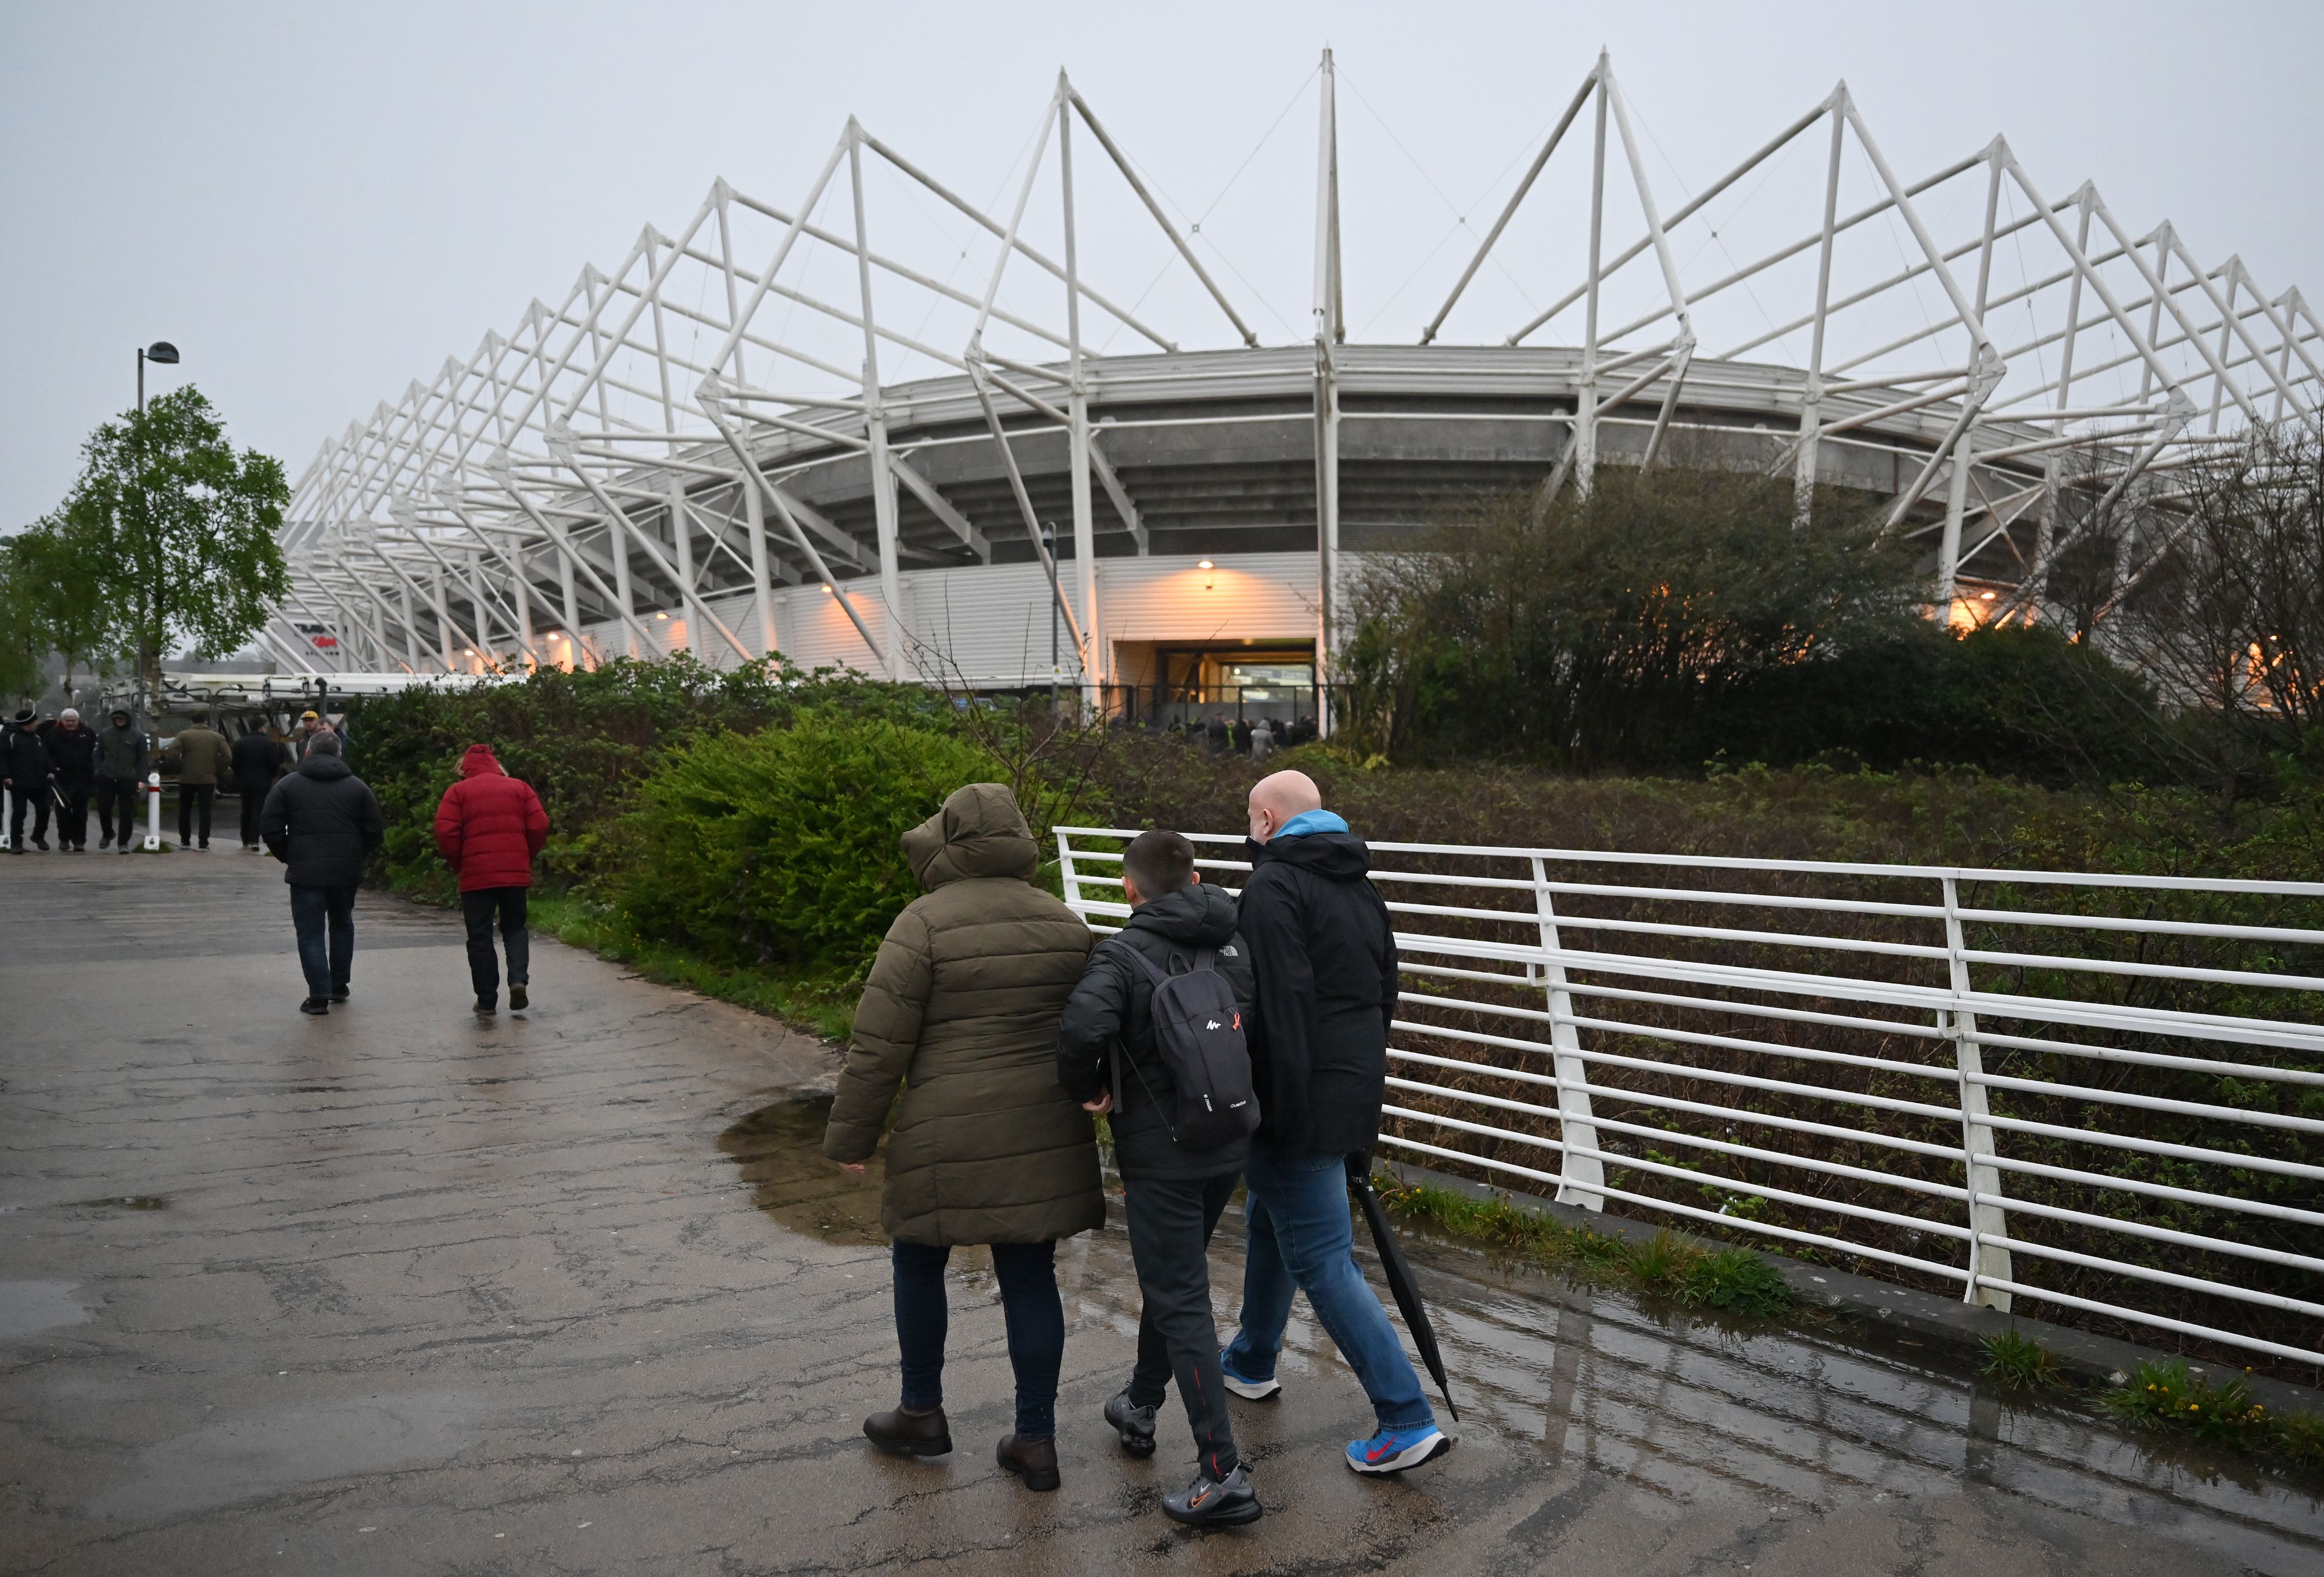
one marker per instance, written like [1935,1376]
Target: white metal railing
[1870,1044]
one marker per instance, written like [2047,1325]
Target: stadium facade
[892,443]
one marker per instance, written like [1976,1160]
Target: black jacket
[1325,957]
[257,757]
[25,761]
[122,756]
[322,822]
[72,756]
[1112,1011]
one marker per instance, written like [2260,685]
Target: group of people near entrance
[55,766]
[1007,1027]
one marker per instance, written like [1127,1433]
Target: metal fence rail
[2103,1092]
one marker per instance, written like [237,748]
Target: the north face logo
[1213,1024]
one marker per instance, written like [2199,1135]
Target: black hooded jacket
[72,755]
[1111,1013]
[1325,955]
[25,761]
[322,822]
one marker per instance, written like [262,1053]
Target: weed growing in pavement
[2164,1394]
[1734,1281]
[2019,1363]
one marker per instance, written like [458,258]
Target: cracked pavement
[396,1292]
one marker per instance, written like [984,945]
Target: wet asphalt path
[392,1292]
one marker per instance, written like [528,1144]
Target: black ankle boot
[1032,1458]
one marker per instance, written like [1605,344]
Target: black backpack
[1198,1035]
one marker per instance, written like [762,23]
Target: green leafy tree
[21,644]
[178,530]
[71,615]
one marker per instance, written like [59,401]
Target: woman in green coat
[960,1010]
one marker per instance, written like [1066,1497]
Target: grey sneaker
[1209,1502]
[1132,1422]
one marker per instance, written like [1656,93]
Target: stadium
[888,428]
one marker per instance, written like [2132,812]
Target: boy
[1176,1193]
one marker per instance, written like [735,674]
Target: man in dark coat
[489,828]
[72,754]
[1325,955]
[322,822]
[259,757]
[122,758]
[1174,1192]
[25,773]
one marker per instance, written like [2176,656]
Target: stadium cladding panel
[851,427]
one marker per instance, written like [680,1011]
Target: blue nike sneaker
[1392,1450]
[1249,1389]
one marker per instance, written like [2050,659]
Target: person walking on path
[122,758]
[72,755]
[322,822]
[960,1010]
[200,756]
[489,828]
[1176,1184]
[1325,955]
[26,774]
[259,757]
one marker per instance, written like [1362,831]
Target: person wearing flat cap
[26,774]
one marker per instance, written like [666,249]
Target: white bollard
[152,812]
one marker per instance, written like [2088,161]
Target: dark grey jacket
[322,822]
[1110,1016]
[121,753]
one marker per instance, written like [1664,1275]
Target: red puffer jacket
[489,824]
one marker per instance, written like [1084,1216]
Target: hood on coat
[979,832]
[1198,916]
[324,767]
[1335,856]
[479,762]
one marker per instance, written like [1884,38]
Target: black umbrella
[1400,1282]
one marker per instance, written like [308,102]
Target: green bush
[781,847]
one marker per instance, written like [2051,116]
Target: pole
[152,812]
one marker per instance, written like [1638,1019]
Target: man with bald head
[1324,956]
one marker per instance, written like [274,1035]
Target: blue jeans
[1030,1311]
[328,966]
[1298,1232]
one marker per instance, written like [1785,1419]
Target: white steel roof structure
[840,426]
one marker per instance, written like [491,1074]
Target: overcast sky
[317,203]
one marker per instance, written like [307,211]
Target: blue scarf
[1311,821]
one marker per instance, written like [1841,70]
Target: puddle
[779,1149]
[123,1202]
[28,1307]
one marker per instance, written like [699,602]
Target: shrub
[781,848]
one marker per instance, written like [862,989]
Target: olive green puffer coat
[962,1009]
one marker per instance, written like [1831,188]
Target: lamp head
[163,352]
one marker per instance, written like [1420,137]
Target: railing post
[1067,881]
[1580,1176]
[1984,1179]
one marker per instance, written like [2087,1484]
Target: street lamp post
[162,353]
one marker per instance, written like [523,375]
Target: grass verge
[821,1006]
[1733,1281]
[2163,1394]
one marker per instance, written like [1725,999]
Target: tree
[22,647]
[176,531]
[1605,630]
[70,614]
